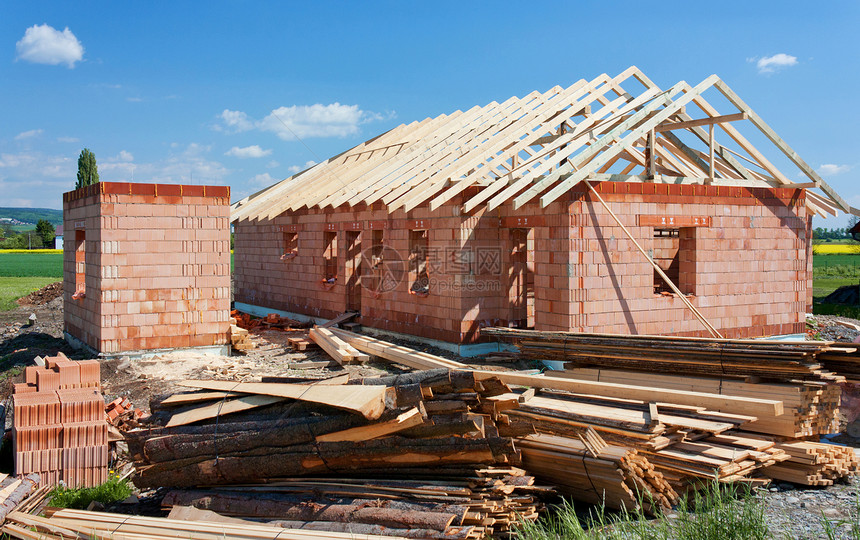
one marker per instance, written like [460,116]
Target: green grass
[31,265]
[13,288]
[110,492]
[719,512]
[837,259]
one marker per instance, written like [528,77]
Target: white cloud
[263,180]
[68,139]
[28,134]
[43,44]
[125,156]
[297,168]
[272,164]
[772,64]
[134,99]
[829,169]
[305,121]
[248,152]
[237,120]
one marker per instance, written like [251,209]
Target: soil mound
[43,295]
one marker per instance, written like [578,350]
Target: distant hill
[32,215]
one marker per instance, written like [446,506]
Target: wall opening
[330,257]
[521,290]
[419,267]
[80,263]
[352,270]
[290,245]
[674,253]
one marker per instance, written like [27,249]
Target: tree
[46,230]
[88,171]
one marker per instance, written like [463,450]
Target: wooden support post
[652,154]
[711,154]
[713,331]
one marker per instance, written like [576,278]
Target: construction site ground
[792,511]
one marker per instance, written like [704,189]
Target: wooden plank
[341,351]
[396,353]
[343,317]
[366,400]
[197,397]
[220,409]
[762,408]
[410,418]
[702,122]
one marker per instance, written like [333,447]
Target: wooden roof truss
[539,146]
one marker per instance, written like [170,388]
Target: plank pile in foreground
[416,455]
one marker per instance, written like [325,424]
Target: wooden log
[169,447]
[410,418]
[299,460]
[18,494]
[398,514]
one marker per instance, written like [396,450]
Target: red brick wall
[157,266]
[748,268]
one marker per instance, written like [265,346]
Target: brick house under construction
[588,208]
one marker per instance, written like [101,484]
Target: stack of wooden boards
[59,428]
[751,440]
[434,426]
[771,360]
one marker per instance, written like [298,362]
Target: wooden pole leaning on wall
[708,326]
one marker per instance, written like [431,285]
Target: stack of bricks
[147,266]
[59,427]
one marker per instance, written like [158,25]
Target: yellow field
[836,249]
[31,250]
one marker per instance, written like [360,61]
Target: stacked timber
[772,360]
[454,504]
[810,407]
[240,338]
[67,523]
[596,473]
[814,464]
[436,425]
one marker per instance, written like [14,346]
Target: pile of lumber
[452,503]
[810,407]
[596,472]
[438,426]
[66,523]
[814,464]
[270,321]
[771,360]
[341,351]
[240,338]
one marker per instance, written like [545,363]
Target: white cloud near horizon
[830,169]
[28,134]
[774,63]
[68,139]
[44,44]
[253,151]
[297,168]
[305,121]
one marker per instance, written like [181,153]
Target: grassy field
[13,288]
[23,273]
[31,265]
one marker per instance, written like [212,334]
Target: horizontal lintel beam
[702,122]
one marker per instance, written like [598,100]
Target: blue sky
[183,92]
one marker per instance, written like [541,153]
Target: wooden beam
[761,408]
[710,121]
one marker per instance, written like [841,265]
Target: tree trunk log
[324,458]
[18,494]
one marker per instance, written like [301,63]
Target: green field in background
[31,265]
